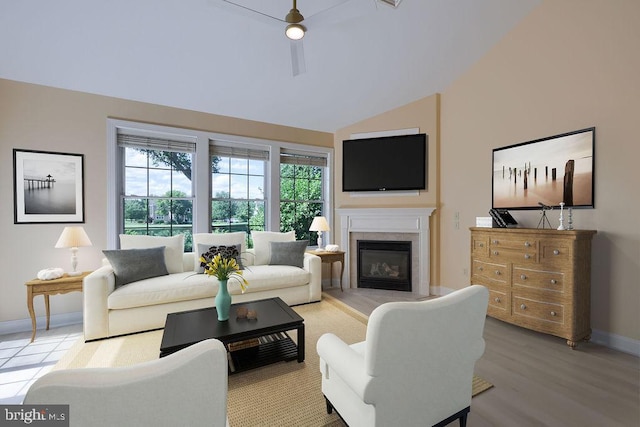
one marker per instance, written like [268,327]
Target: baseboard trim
[607,339]
[616,342]
[24,325]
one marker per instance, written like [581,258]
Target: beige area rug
[282,394]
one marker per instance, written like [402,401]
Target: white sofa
[143,305]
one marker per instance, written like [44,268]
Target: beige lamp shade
[73,237]
[319,223]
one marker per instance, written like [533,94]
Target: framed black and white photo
[48,187]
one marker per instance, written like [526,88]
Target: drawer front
[499,301]
[514,242]
[556,252]
[490,274]
[539,310]
[512,255]
[480,245]
[543,280]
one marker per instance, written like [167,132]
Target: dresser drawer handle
[523,276]
[498,272]
[497,299]
[553,313]
[481,268]
[523,307]
[495,252]
[556,252]
[554,281]
[527,244]
[527,256]
[495,242]
[481,245]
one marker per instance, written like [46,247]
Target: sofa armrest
[96,288]
[338,358]
[313,264]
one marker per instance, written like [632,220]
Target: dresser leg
[572,344]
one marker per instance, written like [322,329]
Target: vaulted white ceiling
[362,57]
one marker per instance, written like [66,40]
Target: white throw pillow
[262,243]
[217,239]
[174,248]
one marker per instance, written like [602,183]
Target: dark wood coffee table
[274,319]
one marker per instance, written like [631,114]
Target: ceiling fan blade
[298,65]
[245,11]
[341,12]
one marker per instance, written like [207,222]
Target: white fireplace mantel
[388,220]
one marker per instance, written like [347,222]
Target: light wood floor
[538,380]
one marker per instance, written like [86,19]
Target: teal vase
[223,301]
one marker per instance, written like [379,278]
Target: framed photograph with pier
[546,171]
[48,187]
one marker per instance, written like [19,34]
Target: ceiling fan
[296,25]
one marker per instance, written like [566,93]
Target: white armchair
[188,387]
[415,367]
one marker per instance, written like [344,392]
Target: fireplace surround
[410,224]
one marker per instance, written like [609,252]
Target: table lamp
[73,237]
[319,224]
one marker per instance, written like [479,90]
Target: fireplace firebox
[384,265]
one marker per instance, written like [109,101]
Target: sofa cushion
[288,253]
[262,247]
[210,251]
[217,239]
[174,248]
[131,265]
[161,290]
[268,277]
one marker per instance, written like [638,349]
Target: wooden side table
[63,285]
[330,258]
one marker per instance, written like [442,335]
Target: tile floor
[22,361]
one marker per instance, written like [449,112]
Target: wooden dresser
[539,279]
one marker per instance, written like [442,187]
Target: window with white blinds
[238,188]
[157,196]
[165,181]
[302,191]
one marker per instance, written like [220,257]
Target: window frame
[243,152]
[202,173]
[304,159]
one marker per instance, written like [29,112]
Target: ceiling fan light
[295,31]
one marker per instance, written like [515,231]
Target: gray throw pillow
[288,253]
[209,252]
[131,265]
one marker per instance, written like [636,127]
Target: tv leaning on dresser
[538,279]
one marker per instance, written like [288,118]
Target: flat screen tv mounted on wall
[545,171]
[389,163]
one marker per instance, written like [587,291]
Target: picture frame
[48,187]
[545,172]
